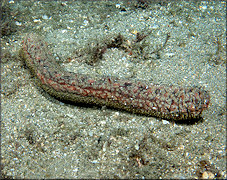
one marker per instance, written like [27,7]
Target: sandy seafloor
[42,137]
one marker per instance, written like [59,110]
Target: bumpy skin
[162,101]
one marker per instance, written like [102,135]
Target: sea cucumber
[136,96]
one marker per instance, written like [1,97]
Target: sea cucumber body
[162,101]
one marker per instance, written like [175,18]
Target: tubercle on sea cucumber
[161,101]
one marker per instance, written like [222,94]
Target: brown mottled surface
[146,98]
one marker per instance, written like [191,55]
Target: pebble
[118,6]
[208,175]
[45,17]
